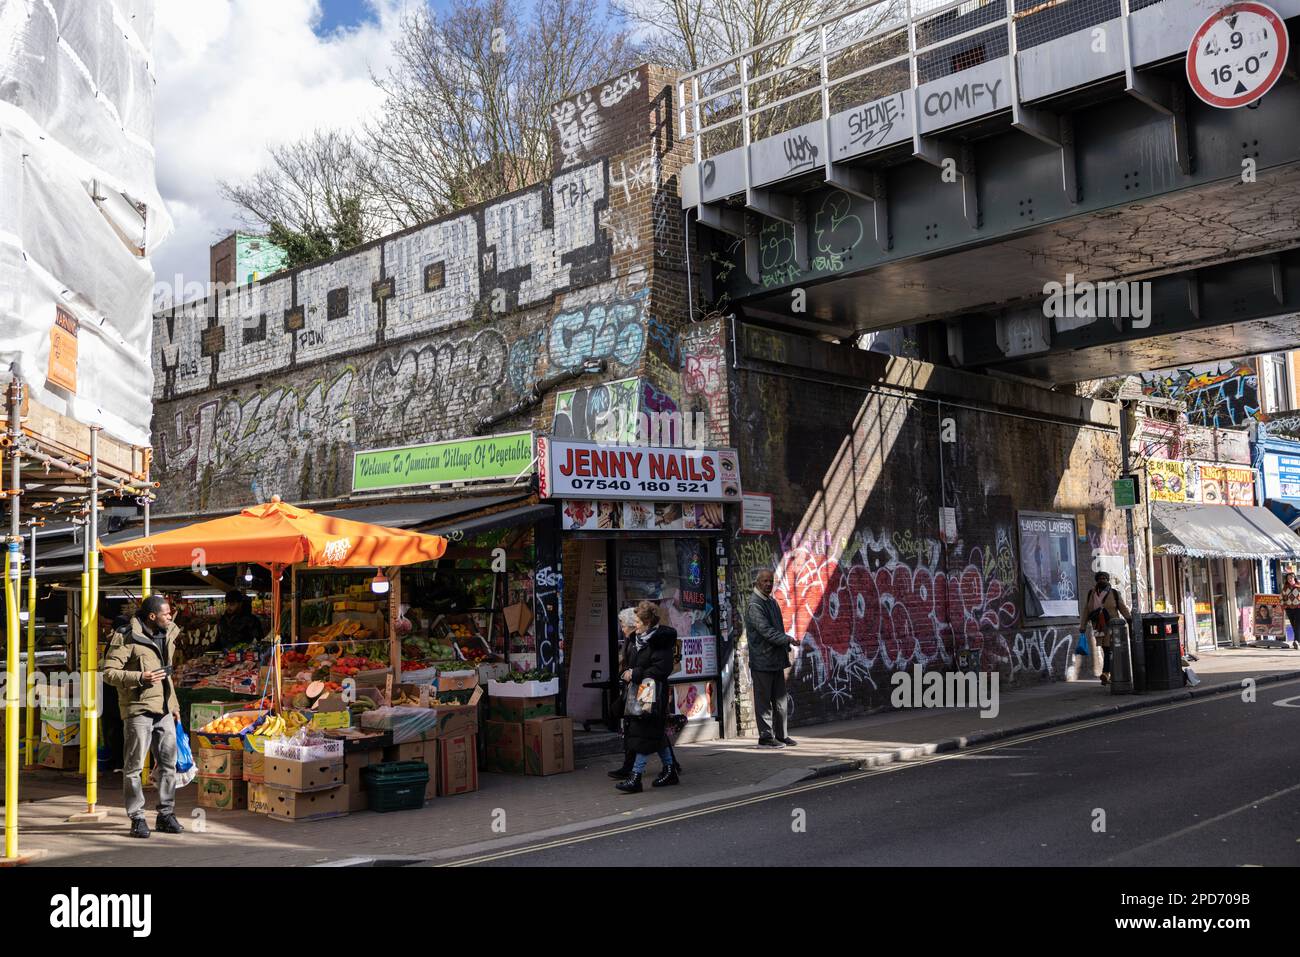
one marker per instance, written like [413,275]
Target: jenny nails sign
[585,470]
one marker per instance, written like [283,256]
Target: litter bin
[1121,666]
[1161,644]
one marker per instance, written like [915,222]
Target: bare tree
[309,197]
[466,113]
[693,35]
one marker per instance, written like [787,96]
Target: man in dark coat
[238,626]
[651,657]
[769,656]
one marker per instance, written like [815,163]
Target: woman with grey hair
[627,626]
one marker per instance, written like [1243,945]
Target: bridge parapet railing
[863,53]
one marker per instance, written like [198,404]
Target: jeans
[1106,660]
[666,756]
[144,733]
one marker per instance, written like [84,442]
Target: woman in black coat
[651,657]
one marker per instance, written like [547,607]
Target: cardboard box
[222,794]
[493,671]
[258,801]
[353,762]
[64,733]
[410,751]
[61,710]
[201,712]
[520,710]
[254,769]
[462,719]
[548,745]
[214,763]
[457,765]
[458,680]
[524,689]
[498,760]
[503,734]
[331,718]
[286,774]
[58,756]
[289,805]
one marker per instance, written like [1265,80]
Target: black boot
[632,785]
[167,824]
[666,778]
[621,773]
[139,828]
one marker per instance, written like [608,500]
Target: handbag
[639,700]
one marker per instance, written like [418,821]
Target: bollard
[1121,665]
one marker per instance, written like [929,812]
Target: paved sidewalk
[535,807]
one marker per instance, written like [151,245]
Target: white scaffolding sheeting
[79,206]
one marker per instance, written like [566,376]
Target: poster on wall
[696,700]
[1166,481]
[756,514]
[584,515]
[1214,488]
[1282,476]
[1239,485]
[697,657]
[1048,565]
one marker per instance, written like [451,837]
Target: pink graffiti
[893,615]
[703,374]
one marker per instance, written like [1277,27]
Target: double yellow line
[828,782]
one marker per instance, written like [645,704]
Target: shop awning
[421,513]
[470,525]
[1221,531]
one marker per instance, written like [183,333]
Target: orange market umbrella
[275,534]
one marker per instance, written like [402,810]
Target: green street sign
[1125,492]
[491,458]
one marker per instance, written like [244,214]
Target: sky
[233,77]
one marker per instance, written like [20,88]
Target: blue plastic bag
[1081,647]
[184,756]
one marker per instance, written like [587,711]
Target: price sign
[1237,55]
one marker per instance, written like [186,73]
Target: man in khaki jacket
[139,664]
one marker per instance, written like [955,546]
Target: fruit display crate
[523,689]
[324,751]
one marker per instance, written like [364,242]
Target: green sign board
[1125,490]
[487,459]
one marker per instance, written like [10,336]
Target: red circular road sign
[1237,55]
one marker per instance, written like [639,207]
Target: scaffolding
[56,469]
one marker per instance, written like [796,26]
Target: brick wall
[864,577]
[419,336]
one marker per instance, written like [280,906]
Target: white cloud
[235,76]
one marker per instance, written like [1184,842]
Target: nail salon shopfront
[644,523]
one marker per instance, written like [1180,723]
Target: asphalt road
[1212,782]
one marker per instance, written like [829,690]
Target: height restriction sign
[1237,55]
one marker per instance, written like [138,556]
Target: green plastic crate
[396,785]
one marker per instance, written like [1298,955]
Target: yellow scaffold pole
[81,648]
[32,713]
[90,744]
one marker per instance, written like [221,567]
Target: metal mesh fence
[1038,21]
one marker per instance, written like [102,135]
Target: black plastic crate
[396,785]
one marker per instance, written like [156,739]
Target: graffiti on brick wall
[413,391]
[580,414]
[614,331]
[877,604]
[508,255]
[580,122]
[704,375]
[255,442]
[1217,395]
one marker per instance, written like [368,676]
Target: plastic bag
[640,699]
[1081,647]
[186,770]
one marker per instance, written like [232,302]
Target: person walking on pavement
[627,625]
[769,656]
[651,658]
[1103,605]
[138,664]
[1291,602]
